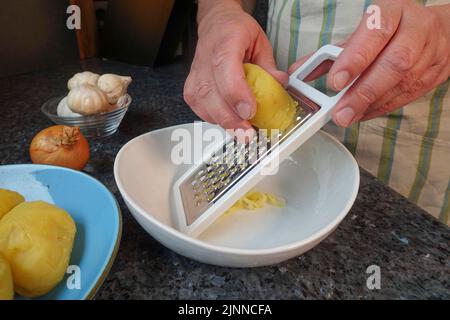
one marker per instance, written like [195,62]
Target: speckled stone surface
[411,248]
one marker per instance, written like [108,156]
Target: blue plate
[96,214]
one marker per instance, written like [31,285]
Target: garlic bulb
[124,101]
[85,77]
[63,109]
[114,86]
[87,99]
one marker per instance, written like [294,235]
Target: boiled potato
[6,281]
[275,107]
[37,239]
[8,200]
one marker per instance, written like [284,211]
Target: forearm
[207,6]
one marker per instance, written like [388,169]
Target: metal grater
[206,191]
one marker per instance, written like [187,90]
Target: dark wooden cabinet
[134,29]
[34,35]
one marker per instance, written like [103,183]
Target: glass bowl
[94,126]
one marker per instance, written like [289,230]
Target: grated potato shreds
[254,200]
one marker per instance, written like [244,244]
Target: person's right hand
[216,88]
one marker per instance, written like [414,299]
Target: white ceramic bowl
[319,181]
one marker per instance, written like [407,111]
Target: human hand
[216,88]
[398,63]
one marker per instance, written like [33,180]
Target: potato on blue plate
[37,239]
[6,281]
[8,200]
[62,242]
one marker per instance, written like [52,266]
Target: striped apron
[409,149]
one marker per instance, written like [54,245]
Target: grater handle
[328,52]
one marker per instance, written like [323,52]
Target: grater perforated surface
[233,160]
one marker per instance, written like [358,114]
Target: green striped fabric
[445,211]
[295,25]
[388,149]
[329,11]
[277,32]
[270,15]
[408,149]
[426,149]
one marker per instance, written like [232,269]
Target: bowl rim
[317,236]
[97,116]
[113,250]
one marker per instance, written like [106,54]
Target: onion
[60,146]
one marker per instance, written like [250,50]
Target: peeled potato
[275,107]
[6,280]
[8,200]
[37,239]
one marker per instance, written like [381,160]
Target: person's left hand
[398,63]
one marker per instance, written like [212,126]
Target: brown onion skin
[71,154]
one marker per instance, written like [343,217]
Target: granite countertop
[383,228]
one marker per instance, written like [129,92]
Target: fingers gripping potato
[37,239]
[275,107]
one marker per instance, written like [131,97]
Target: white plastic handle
[328,52]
